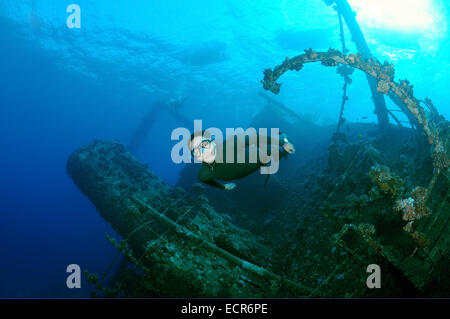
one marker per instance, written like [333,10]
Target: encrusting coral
[384,73]
[413,208]
[387,182]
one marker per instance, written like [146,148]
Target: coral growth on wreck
[387,182]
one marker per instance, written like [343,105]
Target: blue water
[61,88]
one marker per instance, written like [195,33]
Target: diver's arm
[205,176]
[215,184]
[282,139]
[283,142]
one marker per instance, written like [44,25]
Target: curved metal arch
[384,75]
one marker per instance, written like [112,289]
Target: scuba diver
[204,148]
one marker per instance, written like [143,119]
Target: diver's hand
[229,186]
[288,147]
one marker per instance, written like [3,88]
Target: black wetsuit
[232,170]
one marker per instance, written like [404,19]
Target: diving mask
[204,145]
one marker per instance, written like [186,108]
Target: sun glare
[394,14]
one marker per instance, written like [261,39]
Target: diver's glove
[286,144]
[229,186]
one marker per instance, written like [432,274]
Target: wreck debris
[184,247]
[430,237]
[413,208]
[388,183]
[415,248]
[344,10]
[432,125]
[345,72]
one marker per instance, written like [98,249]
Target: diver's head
[203,146]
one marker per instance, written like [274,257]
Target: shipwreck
[376,194]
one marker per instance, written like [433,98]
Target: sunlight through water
[405,15]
